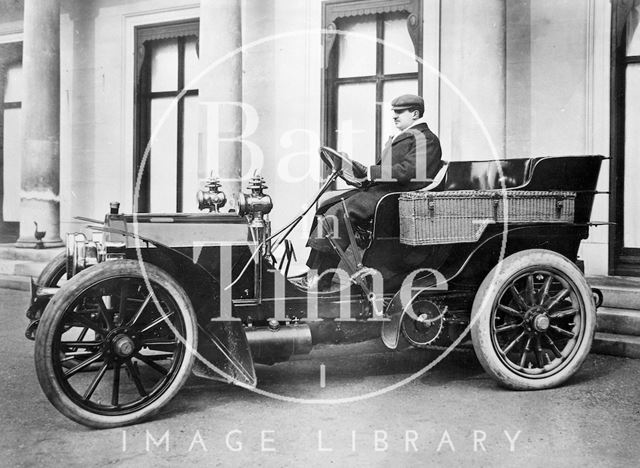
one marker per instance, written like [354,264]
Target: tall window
[167,62]
[632,128]
[368,61]
[10,139]
[625,141]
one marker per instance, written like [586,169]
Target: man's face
[403,118]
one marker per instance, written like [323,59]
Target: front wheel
[131,347]
[533,320]
[54,273]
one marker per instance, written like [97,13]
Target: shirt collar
[421,120]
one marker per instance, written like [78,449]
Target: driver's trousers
[361,206]
[332,225]
[323,256]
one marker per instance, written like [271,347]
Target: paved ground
[593,421]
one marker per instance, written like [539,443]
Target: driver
[409,161]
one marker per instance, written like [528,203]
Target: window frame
[10,55]
[333,12]
[143,96]
[622,260]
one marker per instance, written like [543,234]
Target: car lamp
[213,198]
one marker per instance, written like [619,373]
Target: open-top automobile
[489,250]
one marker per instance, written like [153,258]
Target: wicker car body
[503,182]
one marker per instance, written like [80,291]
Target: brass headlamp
[256,204]
[213,199]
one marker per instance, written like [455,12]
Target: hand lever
[355,269]
[357,256]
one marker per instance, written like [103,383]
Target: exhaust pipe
[277,343]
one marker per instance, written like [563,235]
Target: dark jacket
[410,162]
[395,171]
[412,157]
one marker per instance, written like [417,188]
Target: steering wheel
[343,165]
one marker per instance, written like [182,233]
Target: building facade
[140,100]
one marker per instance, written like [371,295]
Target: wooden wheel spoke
[87,323]
[531,291]
[151,363]
[539,356]
[513,343]
[518,298]
[94,383]
[163,317]
[553,346]
[122,306]
[82,344]
[543,294]
[551,303]
[115,388]
[510,326]
[159,357]
[137,315]
[563,313]
[74,370]
[105,313]
[562,332]
[159,342]
[510,311]
[135,376]
[75,355]
[526,350]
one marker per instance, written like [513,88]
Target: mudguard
[224,354]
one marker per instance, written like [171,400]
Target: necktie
[385,150]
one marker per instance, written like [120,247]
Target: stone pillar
[40,182]
[221,34]
[473,57]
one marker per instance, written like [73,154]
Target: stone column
[221,34]
[473,57]
[40,182]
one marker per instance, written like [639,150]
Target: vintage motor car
[489,250]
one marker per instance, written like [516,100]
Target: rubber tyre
[54,312]
[53,272]
[484,307]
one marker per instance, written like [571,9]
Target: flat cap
[408,101]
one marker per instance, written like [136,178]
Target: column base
[32,243]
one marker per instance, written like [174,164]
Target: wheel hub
[536,319]
[541,323]
[123,345]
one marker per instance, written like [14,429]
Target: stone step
[618,292]
[20,283]
[616,345]
[618,321]
[620,297]
[626,281]
[9,252]
[21,268]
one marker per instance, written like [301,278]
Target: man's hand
[359,170]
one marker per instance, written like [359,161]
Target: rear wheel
[533,320]
[130,348]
